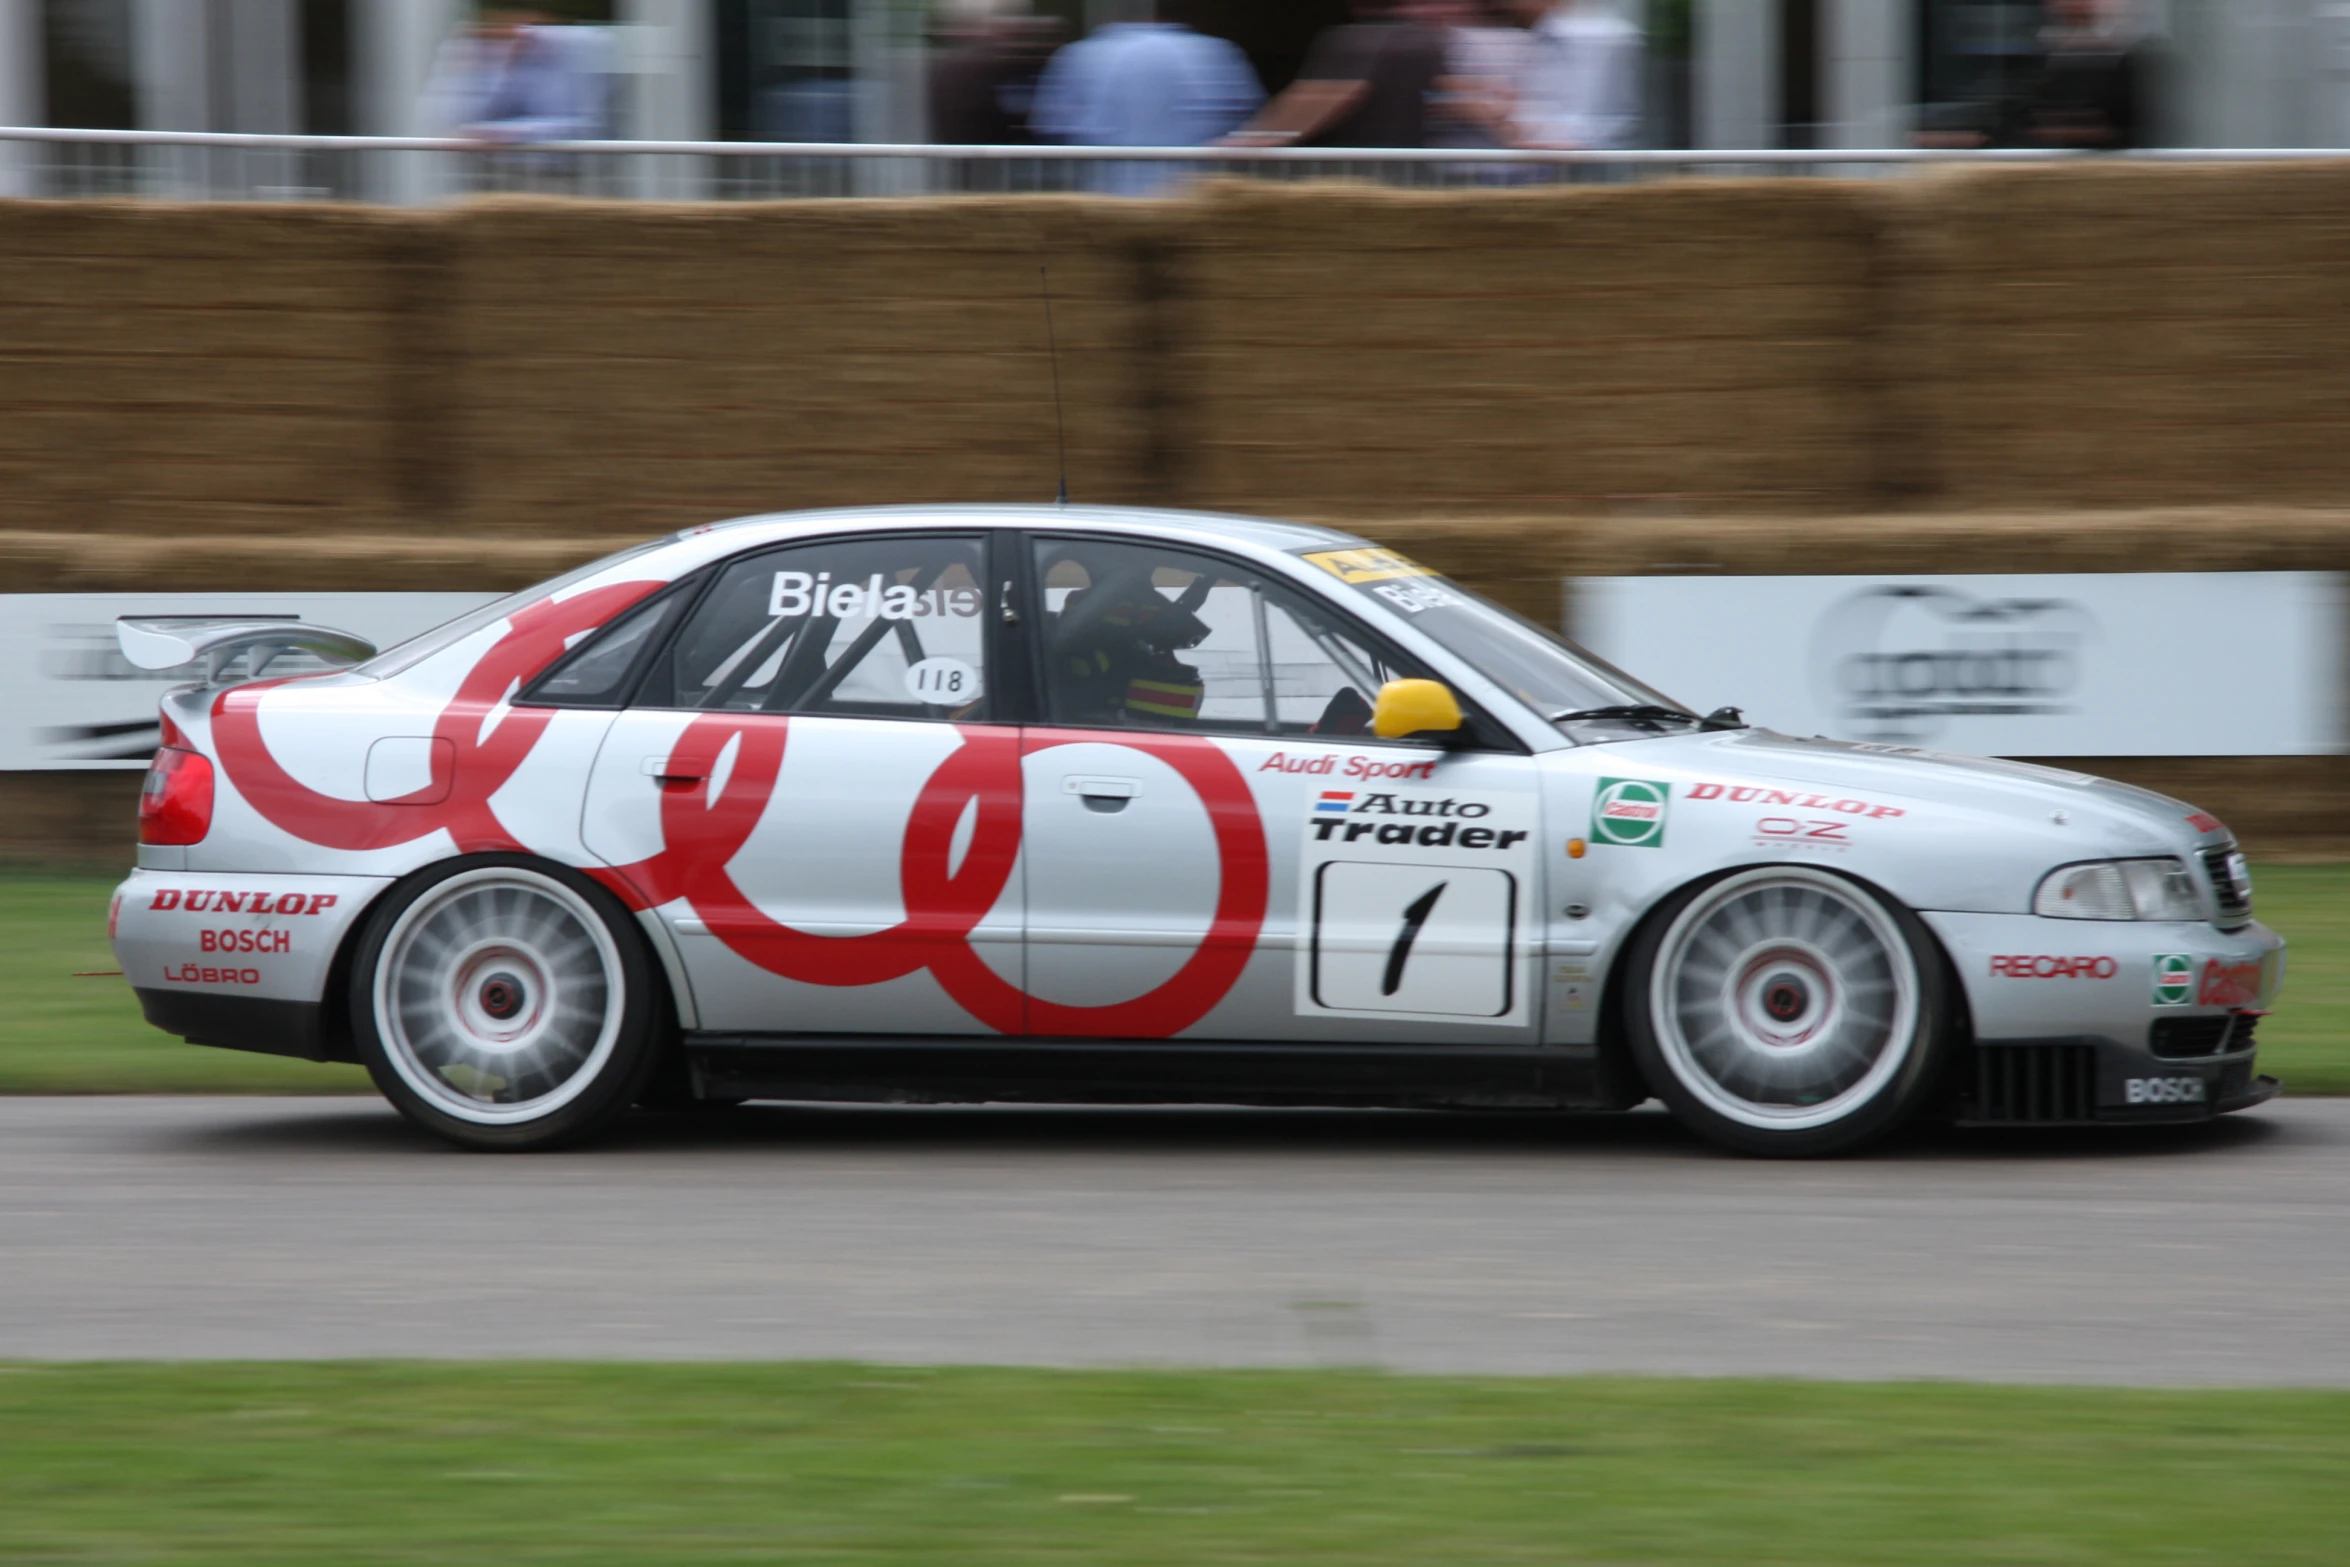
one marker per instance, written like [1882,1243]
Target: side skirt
[897,1069]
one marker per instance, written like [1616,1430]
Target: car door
[1217,846]
[811,791]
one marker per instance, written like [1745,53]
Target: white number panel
[1413,902]
[1432,940]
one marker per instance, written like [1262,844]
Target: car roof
[1263,532]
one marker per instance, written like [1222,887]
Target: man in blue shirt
[513,78]
[1144,84]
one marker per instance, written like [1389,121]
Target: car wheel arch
[336,998]
[1620,1071]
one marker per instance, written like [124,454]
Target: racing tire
[505,1003]
[1788,1011]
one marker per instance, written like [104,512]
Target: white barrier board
[2237,663]
[77,702]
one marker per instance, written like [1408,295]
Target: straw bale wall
[2134,335]
[1704,345]
[215,369]
[2075,337]
[633,369]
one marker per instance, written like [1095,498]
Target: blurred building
[1720,73]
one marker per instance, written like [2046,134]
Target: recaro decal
[2042,966]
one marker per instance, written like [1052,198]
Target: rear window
[408,654]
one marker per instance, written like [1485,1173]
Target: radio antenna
[1052,350]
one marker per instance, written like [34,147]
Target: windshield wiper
[1648,710]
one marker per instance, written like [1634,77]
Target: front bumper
[2092,1020]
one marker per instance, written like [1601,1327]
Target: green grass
[382,1462]
[64,1035]
[2307,1043]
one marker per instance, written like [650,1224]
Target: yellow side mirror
[1410,707]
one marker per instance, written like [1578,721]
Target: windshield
[1590,699]
[402,655]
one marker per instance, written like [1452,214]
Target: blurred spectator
[1581,88]
[983,84]
[1484,59]
[1145,84]
[512,78]
[1365,84]
[2089,88]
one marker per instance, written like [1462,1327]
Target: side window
[885,627]
[596,673]
[1144,637]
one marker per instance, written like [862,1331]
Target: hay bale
[85,820]
[170,366]
[1377,352]
[630,369]
[196,561]
[2113,335]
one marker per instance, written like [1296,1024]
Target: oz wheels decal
[700,836]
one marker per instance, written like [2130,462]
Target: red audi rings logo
[2054,968]
[700,836]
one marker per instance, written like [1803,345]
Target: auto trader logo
[1630,813]
[1899,662]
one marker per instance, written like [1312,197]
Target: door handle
[673,775]
[1102,794]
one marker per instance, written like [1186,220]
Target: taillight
[175,806]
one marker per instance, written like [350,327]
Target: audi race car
[1096,805]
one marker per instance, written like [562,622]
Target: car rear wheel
[505,1003]
[1787,1010]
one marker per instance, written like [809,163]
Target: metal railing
[220,166]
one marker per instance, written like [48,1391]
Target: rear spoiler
[170,643]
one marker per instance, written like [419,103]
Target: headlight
[2119,890]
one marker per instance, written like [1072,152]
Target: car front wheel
[1787,1010]
[505,1003]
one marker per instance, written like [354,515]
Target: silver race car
[1065,804]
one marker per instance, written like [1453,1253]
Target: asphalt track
[1501,1243]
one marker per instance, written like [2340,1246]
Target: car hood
[1974,832]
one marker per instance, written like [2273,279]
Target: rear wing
[161,643]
